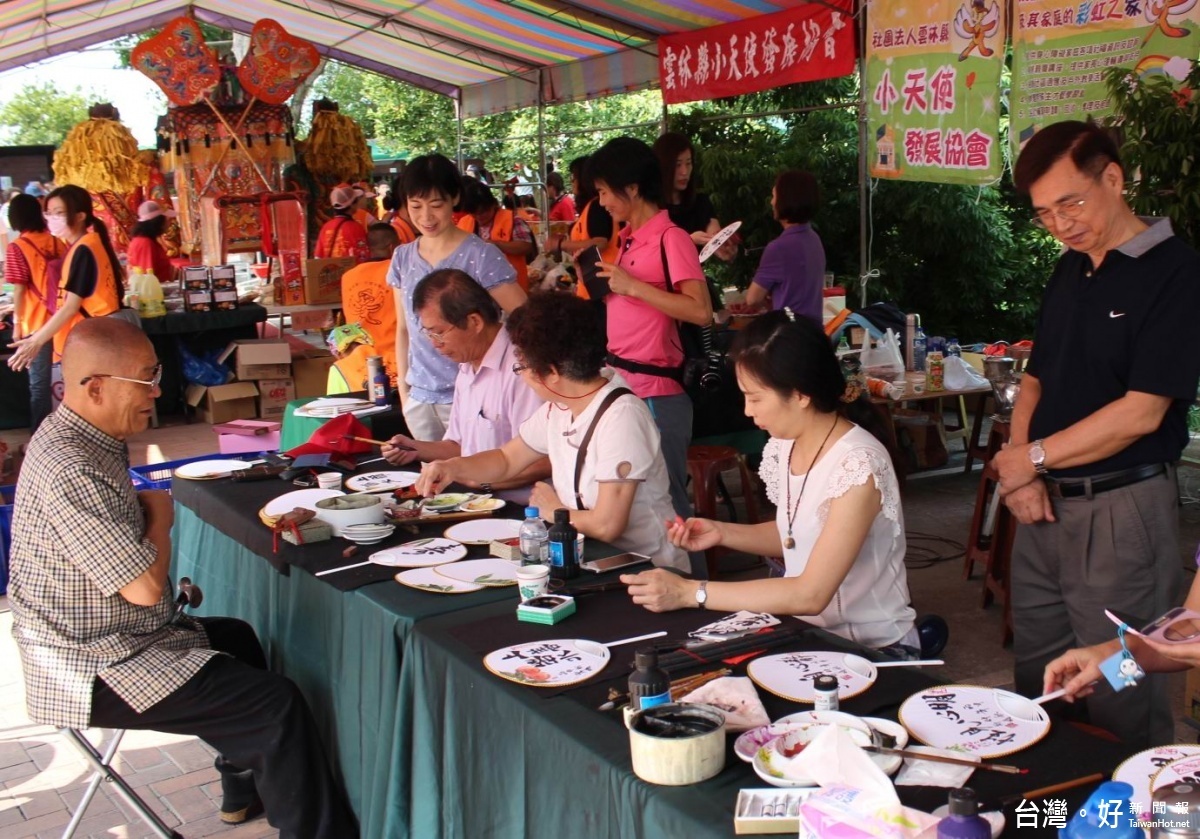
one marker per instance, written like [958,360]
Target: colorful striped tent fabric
[490,55]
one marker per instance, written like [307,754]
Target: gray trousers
[1116,550]
[673,416]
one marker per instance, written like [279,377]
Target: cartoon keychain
[1120,668]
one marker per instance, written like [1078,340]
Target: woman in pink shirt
[656,282]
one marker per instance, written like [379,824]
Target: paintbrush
[957,761]
[378,442]
[1042,792]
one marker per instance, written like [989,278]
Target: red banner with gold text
[813,41]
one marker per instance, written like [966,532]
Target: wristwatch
[1037,456]
[485,487]
[702,594]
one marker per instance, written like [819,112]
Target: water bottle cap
[532,513]
[1089,823]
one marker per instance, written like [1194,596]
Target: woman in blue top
[425,377]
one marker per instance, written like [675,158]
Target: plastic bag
[202,370]
[960,375]
[144,293]
[883,360]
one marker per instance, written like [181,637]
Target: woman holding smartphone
[655,283]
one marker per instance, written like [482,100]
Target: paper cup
[532,581]
[329,480]
[916,381]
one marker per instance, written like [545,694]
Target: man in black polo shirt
[1100,422]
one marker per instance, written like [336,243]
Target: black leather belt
[1076,487]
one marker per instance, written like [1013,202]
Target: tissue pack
[847,813]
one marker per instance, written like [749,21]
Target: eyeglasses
[153,382]
[437,337]
[1067,210]
[518,368]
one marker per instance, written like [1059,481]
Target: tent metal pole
[864,187]
[665,115]
[541,139]
[458,120]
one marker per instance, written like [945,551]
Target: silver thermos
[1181,803]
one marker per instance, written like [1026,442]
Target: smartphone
[1177,626]
[588,262]
[612,563]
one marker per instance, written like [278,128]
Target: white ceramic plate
[208,470]
[420,553]
[777,768]
[890,764]
[978,721]
[548,664]
[749,742]
[995,819]
[382,481]
[718,239]
[299,498]
[446,502]
[1139,770]
[483,505]
[483,531]
[790,675]
[367,537]
[1186,770]
[428,579]
[492,571]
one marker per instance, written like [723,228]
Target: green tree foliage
[41,114]
[1161,128]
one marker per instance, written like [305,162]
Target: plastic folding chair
[102,771]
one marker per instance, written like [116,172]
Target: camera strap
[609,398]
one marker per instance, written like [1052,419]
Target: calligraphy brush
[375,442]
[957,761]
[708,653]
[1008,800]
[679,687]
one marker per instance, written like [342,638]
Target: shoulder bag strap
[613,396]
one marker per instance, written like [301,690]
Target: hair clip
[790,314]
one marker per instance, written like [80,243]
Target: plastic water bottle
[919,349]
[1104,815]
[843,346]
[953,348]
[963,820]
[534,538]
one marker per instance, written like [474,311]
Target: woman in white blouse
[839,526]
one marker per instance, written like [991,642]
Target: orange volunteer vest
[104,299]
[502,231]
[579,233]
[38,249]
[368,300]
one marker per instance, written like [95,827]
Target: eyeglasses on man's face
[437,337]
[1067,210]
[518,368]
[154,381]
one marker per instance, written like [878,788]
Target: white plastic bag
[960,375]
[883,360]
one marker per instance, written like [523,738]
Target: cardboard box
[311,375]
[273,396]
[247,436]
[239,443]
[323,279]
[320,319]
[223,402]
[261,358]
[225,299]
[198,300]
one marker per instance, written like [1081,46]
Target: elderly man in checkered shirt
[92,604]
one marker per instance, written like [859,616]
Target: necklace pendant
[789,542]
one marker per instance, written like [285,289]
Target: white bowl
[361,508]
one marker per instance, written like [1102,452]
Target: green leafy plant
[1160,123]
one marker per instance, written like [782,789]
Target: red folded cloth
[332,438]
